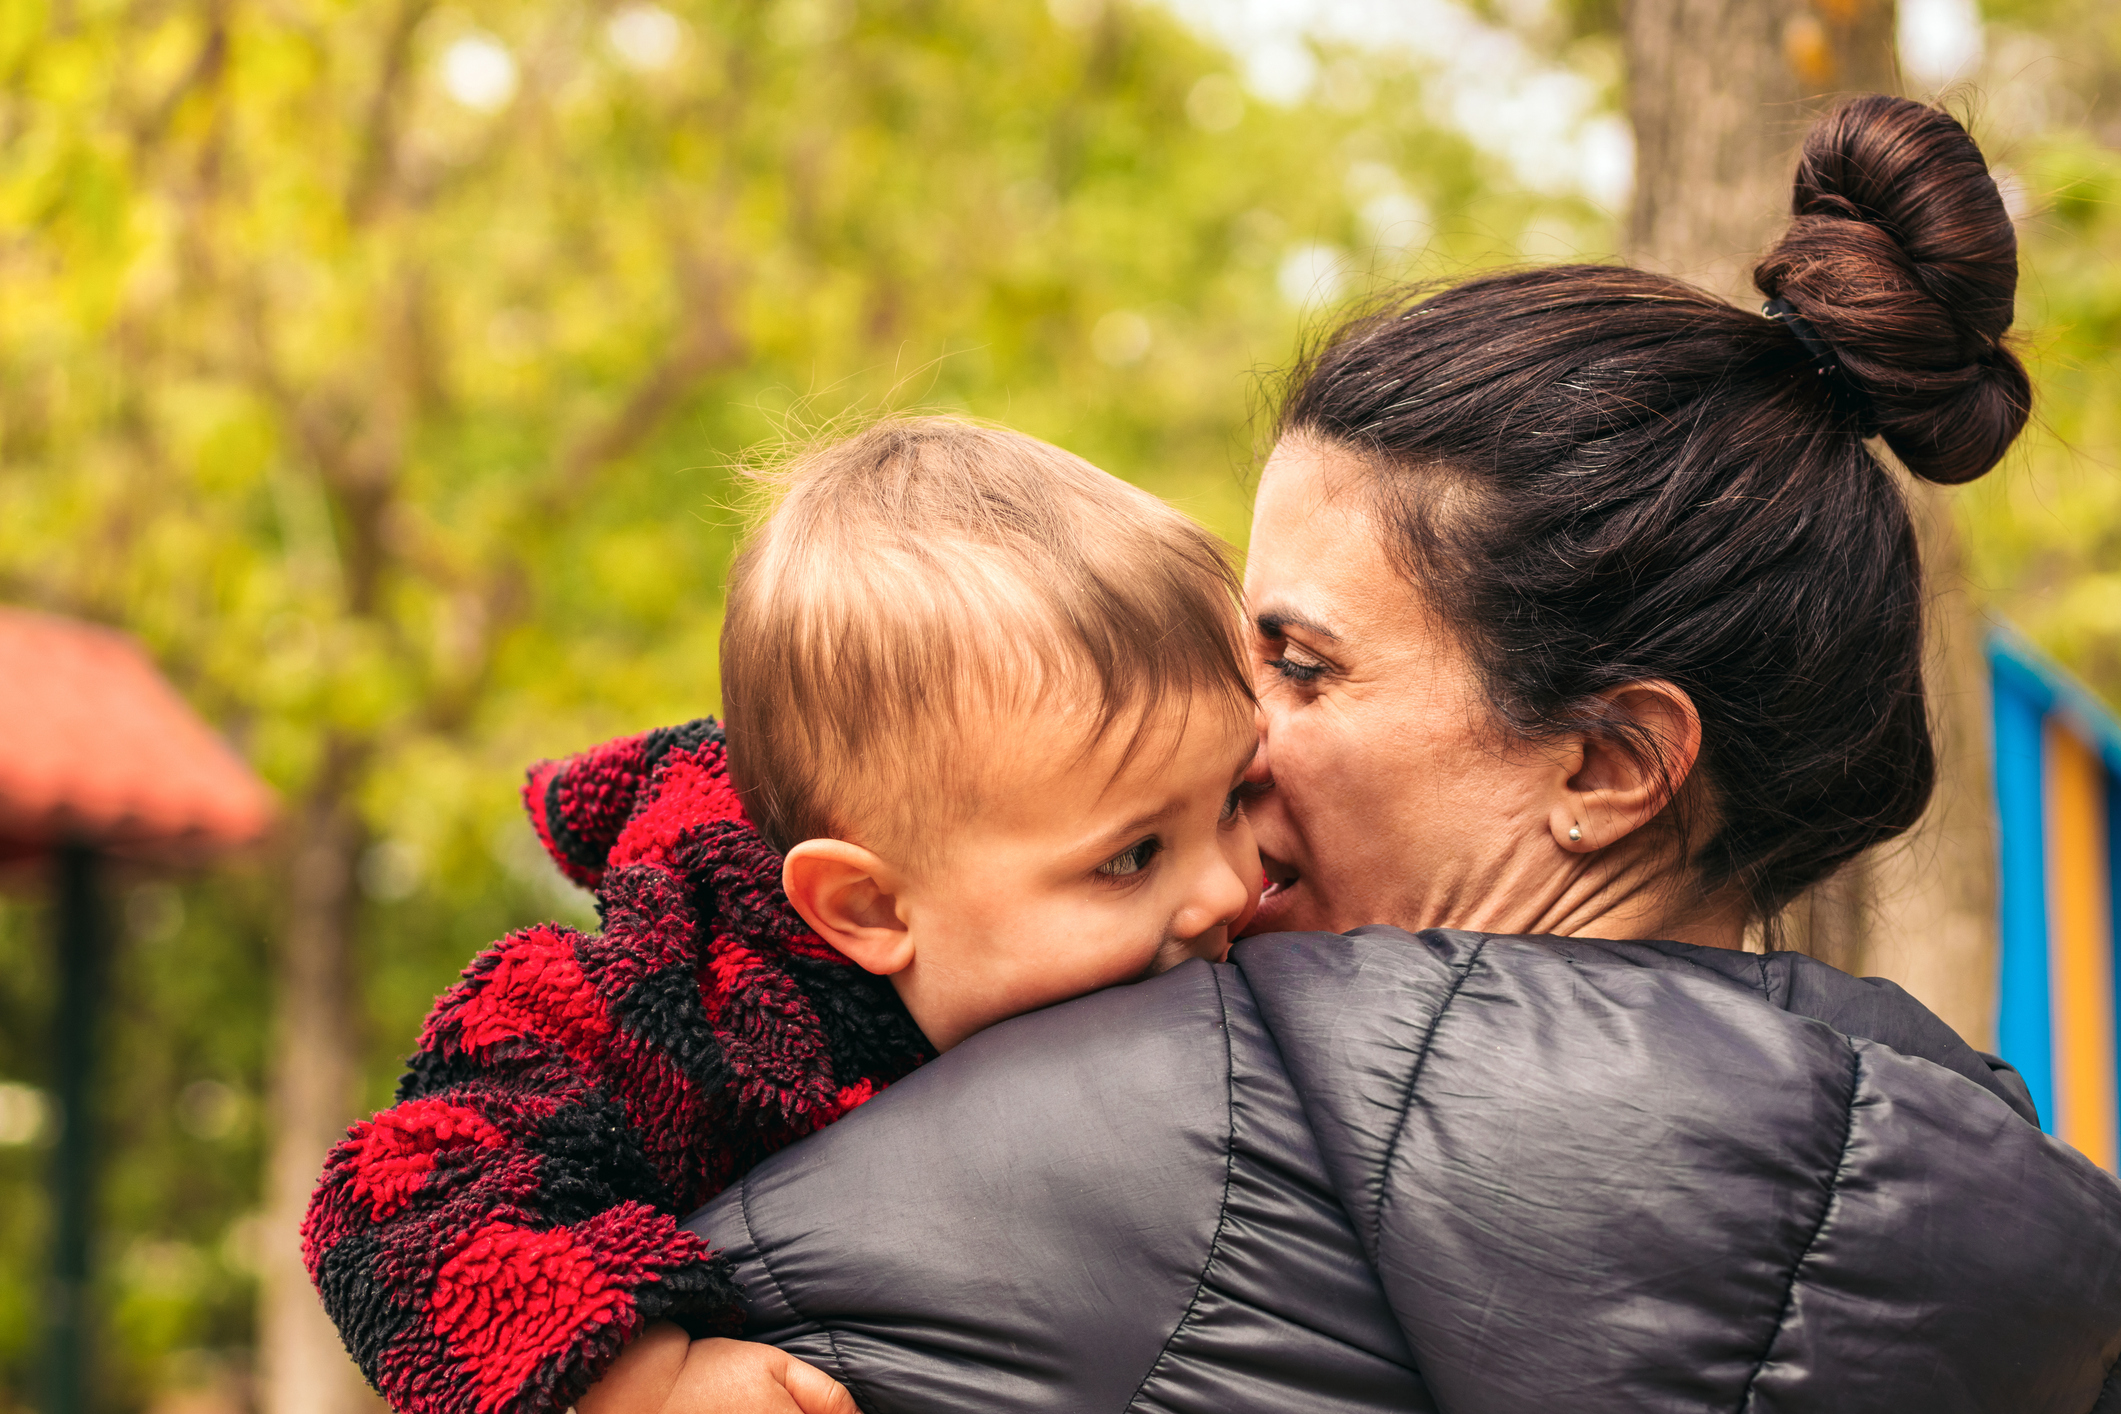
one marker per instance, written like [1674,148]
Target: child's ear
[845,894]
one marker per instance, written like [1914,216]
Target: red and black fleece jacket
[496,1237]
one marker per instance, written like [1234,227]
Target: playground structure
[2058,808]
[100,760]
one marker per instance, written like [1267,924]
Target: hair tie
[1852,399]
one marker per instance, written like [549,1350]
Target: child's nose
[1221,897]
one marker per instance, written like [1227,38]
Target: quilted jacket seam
[832,1337]
[1222,1213]
[2109,1391]
[1406,1103]
[1826,1215]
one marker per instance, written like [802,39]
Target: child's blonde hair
[932,571]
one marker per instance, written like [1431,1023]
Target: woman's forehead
[1317,558]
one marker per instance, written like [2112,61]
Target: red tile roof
[95,746]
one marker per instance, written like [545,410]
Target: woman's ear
[1608,791]
[847,896]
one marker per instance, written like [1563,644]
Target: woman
[1584,613]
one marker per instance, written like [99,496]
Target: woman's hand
[665,1373]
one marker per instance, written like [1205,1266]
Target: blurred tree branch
[376,168]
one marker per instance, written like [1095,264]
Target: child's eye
[1133,860]
[1232,803]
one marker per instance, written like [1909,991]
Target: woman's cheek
[1297,773]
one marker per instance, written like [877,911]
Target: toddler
[987,721]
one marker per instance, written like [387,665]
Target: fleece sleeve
[496,1237]
[489,1243]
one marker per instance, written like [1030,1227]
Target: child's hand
[665,1373]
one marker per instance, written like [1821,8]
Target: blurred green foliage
[388,369]
[2044,536]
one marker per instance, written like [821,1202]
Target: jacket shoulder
[1736,1198]
[1112,1204]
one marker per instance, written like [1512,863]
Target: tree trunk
[1932,922]
[1721,92]
[304,1369]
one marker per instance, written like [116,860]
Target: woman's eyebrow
[1273,621]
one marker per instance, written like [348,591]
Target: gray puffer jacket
[1447,1172]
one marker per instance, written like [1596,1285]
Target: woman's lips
[1273,895]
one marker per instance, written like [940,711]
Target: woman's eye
[1296,671]
[1135,859]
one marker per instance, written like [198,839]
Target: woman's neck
[1629,890]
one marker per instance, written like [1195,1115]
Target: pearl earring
[1575,834]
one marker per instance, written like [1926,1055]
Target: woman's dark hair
[1599,476]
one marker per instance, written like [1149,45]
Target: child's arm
[492,1242]
[667,1372]
[494,1239]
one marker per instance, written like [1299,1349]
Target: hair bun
[1900,255]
